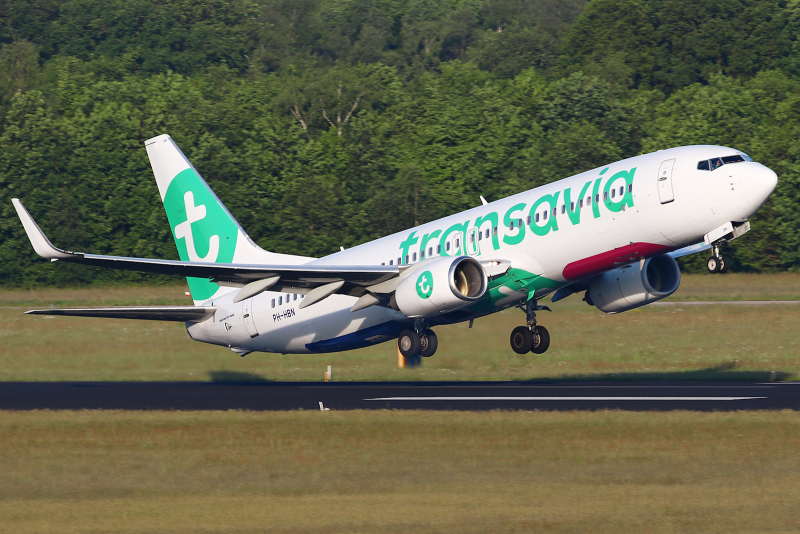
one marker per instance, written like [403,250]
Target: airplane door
[247,316]
[472,242]
[665,181]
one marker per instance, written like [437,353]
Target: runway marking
[563,398]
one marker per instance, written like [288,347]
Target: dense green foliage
[323,123]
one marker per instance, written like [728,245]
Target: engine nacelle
[629,287]
[441,286]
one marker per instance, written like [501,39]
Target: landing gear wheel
[714,264]
[541,340]
[428,343]
[723,267]
[408,343]
[521,340]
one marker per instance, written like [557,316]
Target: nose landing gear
[530,338]
[716,263]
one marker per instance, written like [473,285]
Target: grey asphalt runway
[658,396]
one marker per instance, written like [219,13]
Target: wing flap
[191,314]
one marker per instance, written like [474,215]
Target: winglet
[41,244]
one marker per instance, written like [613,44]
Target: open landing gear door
[665,181]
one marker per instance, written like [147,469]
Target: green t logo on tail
[202,229]
[425,285]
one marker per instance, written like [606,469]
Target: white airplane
[613,232]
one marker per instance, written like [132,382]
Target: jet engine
[632,286]
[444,285]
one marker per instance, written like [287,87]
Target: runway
[656,396]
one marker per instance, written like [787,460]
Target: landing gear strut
[530,338]
[420,341]
[716,263]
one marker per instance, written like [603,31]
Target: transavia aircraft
[612,233]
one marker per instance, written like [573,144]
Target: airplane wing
[351,280]
[148,313]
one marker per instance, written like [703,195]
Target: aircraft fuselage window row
[715,163]
[289,297]
[412,258]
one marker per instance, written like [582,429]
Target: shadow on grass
[235,376]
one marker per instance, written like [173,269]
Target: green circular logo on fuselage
[425,285]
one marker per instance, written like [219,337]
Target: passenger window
[494,230]
[529,219]
[544,215]
[612,192]
[422,254]
[715,163]
[580,203]
[391,262]
[480,236]
[511,225]
[621,190]
[554,212]
[273,303]
[295,296]
[414,257]
[563,208]
[447,246]
[458,244]
[406,263]
[439,248]
[399,262]
[703,166]
[571,206]
[537,217]
[430,252]
[280,301]
[487,233]
[383,263]
[520,222]
[630,188]
[597,198]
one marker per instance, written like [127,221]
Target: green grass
[708,342]
[389,471]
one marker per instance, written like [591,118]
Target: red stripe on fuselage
[613,258]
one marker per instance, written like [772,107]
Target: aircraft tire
[408,343]
[541,340]
[723,265]
[713,264]
[428,343]
[521,340]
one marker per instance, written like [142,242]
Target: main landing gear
[716,263]
[420,341]
[530,338]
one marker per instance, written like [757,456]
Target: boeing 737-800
[612,233]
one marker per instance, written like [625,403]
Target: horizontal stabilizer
[183,314]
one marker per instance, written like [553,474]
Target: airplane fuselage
[552,235]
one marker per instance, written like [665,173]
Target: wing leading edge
[298,278]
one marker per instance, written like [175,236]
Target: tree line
[327,123]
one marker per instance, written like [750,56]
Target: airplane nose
[760,184]
[766,181]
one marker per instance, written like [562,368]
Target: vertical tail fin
[203,228]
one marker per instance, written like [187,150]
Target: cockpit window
[716,163]
[732,159]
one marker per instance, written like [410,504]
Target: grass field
[691,342]
[384,471]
